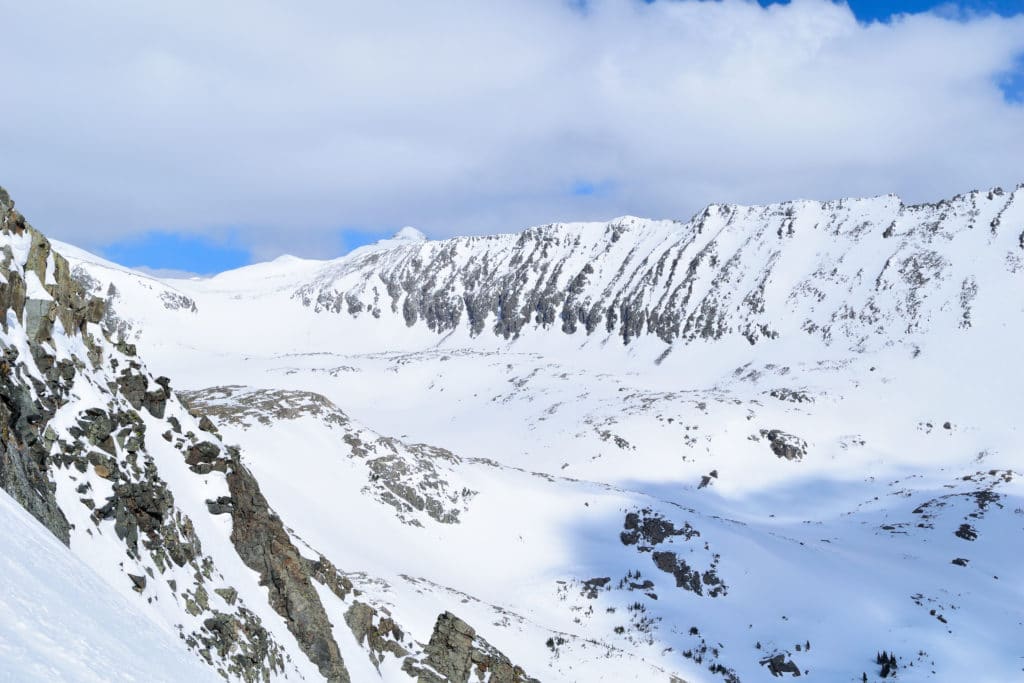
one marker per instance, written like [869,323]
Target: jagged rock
[384,636]
[127,349]
[23,459]
[229,594]
[450,650]
[455,652]
[133,387]
[778,665]
[264,546]
[33,446]
[323,571]
[39,317]
[591,587]
[225,632]
[646,529]
[689,578]
[785,445]
[791,395]
[155,402]
[204,458]
[98,427]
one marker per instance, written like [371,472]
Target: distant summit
[409,234]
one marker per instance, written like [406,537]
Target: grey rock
[785,445]
[222,505]
[778,665]
[229,594]
[206,424]
[456,652]
[264,546]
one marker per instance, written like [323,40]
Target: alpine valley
[769,441]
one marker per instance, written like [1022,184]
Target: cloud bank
[291,123]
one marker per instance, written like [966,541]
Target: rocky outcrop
[689,578]
[778,665]
[377,632]
[54,440]
[785,445]
[265,547]
[24,453]
[646,529]
[649,531]
[37,288]
[412,478]
[455,652]
[98,450]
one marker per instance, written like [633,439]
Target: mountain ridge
[104,455]
[641,502]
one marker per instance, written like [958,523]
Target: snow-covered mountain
[775,440]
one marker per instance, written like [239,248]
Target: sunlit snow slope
[61,622]
[771,440]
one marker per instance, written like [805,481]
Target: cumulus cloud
[292,122]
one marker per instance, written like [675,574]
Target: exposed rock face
[24,459]
[649,531]
[778,665]
[455,652]
[785,445]
[265,547]
[36,286]
[646,529]
[689,578]
[378,633]
[98,450]
[727,271]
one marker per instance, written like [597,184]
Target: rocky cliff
[850,272]
[108,459]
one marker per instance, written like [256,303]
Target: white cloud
[296,120]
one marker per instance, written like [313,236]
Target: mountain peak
[409,234]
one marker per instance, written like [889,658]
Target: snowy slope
[765,440]
[146,493]
[62,622]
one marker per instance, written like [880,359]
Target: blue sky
[173,254]
[882,10]
[168,252]
[158,140]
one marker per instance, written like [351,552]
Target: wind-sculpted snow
[850,271]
